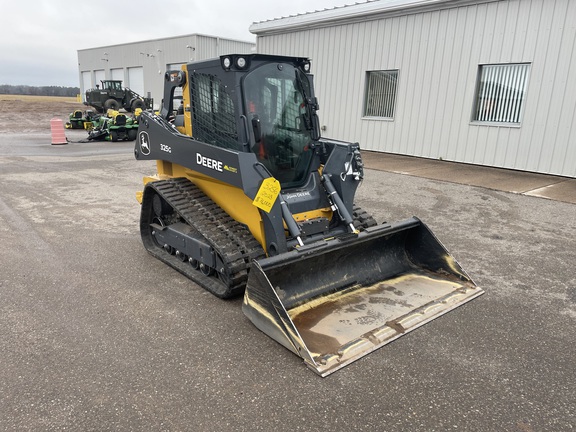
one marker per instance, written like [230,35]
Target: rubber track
[362,219]
[231,241]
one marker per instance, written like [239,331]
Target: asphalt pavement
[526,183]
[97,335]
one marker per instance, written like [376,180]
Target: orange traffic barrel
[58,134]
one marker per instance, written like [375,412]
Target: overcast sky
[40,39]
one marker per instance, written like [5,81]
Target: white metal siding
[153,56]
[86,84]
[438,53]
[174,66]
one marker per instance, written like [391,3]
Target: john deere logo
[144,143]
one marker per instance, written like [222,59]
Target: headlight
[241,62]
[227,62]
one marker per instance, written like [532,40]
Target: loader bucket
[332,304]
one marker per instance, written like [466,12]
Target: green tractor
[122,128]
[114,127]
[113,96]
[80,120]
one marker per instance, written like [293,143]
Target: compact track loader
[249,198]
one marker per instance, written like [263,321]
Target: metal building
[488,82]
[141,65]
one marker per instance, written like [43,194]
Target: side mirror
[315,127]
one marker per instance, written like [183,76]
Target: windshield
[112,85]
[275,103]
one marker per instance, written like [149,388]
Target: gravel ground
[32,114]
[98,335]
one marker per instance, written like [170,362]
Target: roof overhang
[373,9]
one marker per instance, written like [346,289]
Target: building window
[501,90]
[380,97]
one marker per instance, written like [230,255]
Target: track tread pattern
[231,241]
[362,219]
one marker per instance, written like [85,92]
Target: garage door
[136,80]
[99,75]
[117,74]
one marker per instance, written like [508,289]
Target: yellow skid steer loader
[249,198]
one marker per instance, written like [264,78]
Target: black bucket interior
[372,258]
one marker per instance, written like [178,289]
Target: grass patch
[33,98]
